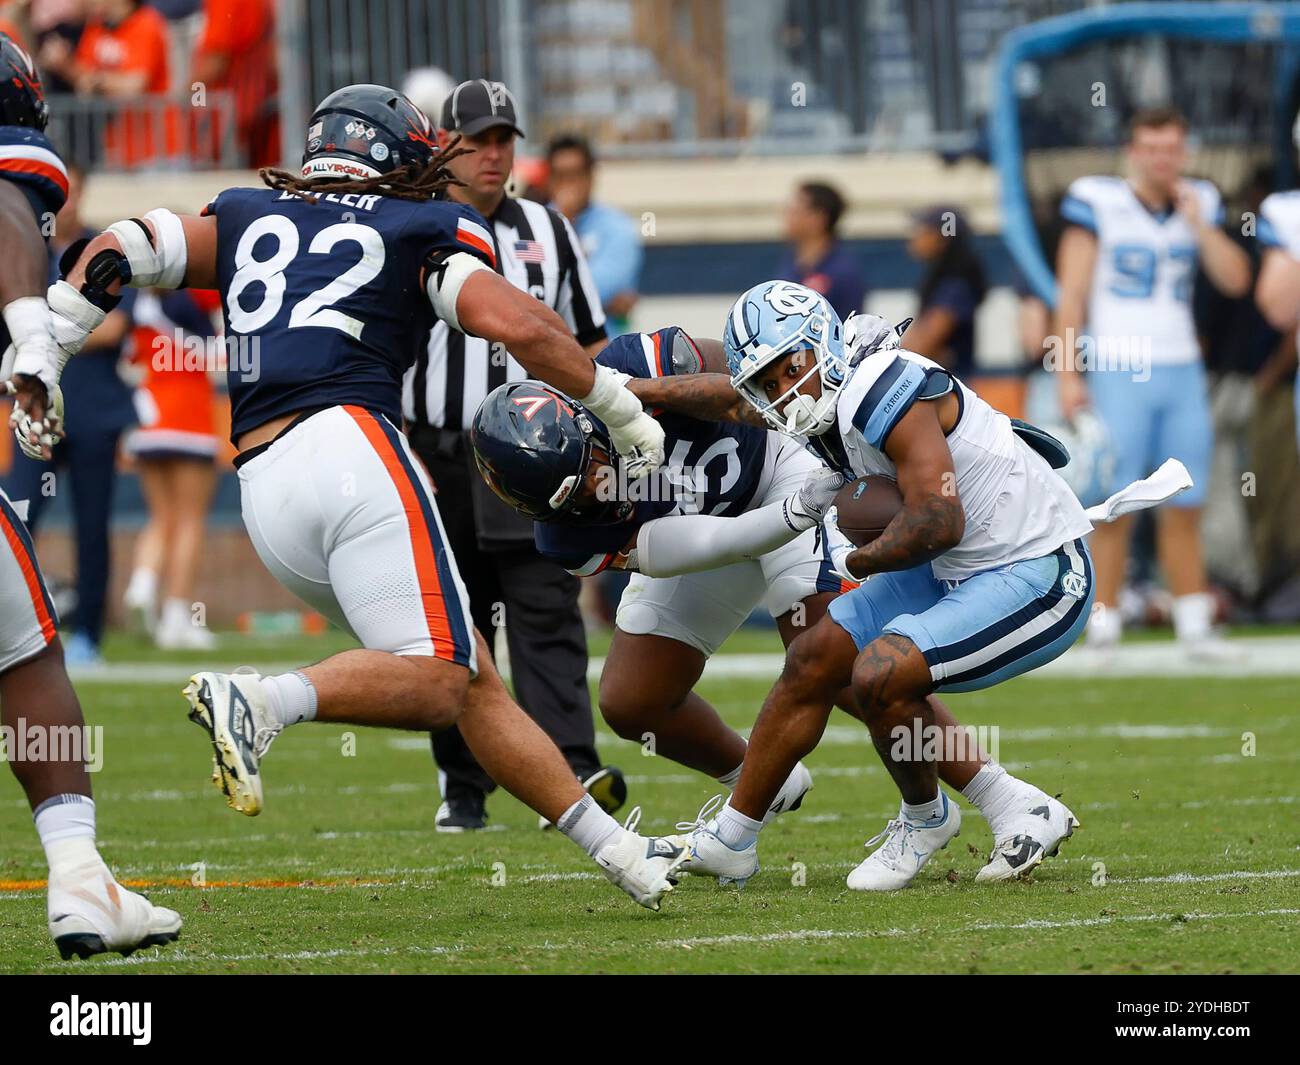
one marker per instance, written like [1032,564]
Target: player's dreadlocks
[404,183]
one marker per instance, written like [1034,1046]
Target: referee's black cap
[476,105]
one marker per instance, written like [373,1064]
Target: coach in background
[1126,267]
[816,257]
[508,581]
[609,237]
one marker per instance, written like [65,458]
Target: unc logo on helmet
[765,326]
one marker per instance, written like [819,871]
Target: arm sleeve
[687,543]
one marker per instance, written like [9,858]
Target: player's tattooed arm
[932,520]
[706,396]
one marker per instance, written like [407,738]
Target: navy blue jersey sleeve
[440,225]
[28,160]
[583,550]
[662,353]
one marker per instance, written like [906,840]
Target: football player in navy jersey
[89,912]
[730,522]
[330,279]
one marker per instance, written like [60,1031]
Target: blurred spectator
[122,54]
[609,238]
[40,20]
[816,258]
[950,291]
[236,54]
[10,28]
[175,452]
[98,407]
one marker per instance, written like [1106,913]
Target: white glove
[838,546]
[74,318]
[48,432]
[635,435]
[868,333]
[808,506]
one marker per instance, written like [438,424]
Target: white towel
[1164,484]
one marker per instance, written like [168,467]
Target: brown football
[866,506]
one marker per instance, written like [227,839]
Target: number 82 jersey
[323,300]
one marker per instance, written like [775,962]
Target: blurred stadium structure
[643,78]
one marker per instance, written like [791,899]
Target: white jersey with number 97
[1140,299]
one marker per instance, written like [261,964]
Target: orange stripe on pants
[422,549]
[30,574]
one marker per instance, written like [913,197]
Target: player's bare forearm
[1225,262]
[200,258]
[1277,294]
[932,519]
[25,266]
[706,396]
[488,306]
[920,532]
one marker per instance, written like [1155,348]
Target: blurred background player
[89,912]
[99,410]
[175,450]
[509,583]
[816,259]
[1126,266]
[608,237]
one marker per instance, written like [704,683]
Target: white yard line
[1262,656]
[793,935]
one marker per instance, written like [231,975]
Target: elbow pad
[447,275]
[158,262]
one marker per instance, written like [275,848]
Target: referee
[508,581]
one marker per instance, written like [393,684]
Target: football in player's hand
[865,506]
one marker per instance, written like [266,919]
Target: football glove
[808,506]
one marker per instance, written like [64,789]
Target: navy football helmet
[364,131]
[537,449]
[22,100]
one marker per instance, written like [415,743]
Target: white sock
[175,614]
[924,811]
[590,827]
[735,829]
[142,588]
[996,794]
[66,825]
[1193,615]
[728,780]
[1105,626]
[290,698]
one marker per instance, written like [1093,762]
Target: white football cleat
[91,913]
[184,637]
[1025,841]
[905,847]
[232,708]
[710,856]
[643,866]
[797,785]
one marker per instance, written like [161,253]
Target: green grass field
[343,873]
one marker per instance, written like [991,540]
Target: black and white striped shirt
[538,253]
